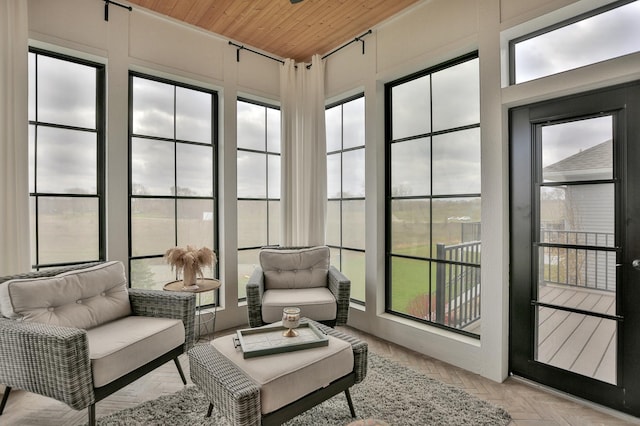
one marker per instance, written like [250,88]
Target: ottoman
[271,389]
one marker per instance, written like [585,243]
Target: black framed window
[608,32]
[66,159]
[173,183]
[345,129]
[258,180]
[433,196]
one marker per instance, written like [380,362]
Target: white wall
[422,36]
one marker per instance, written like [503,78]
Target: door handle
[636,264]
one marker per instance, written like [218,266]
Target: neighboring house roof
[592,163]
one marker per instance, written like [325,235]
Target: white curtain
[304,154]
[14,163]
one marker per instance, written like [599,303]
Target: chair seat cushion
[286,377]
[123,345]
[316,303]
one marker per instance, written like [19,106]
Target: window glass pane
[456,162]
[410,227]
[66,92]
[252,226]
[411,108]
[608,35]
[194,169]
[32,86]
[151,273]
[410,287]
[353,123]
[353,220]
[152,108]
[333,223]
[252,173]
[32,157]
[273,130]
[247,263]
[152,167]
[569,276]
[251,126]
[353,180]
[68,229]
[274,223]
[153,225]
[353,266]
[561,342]
[579,214]
[410,168]
[67,161]
[451,219]
[333,124]
[578,150]
[193,115]
[456,96]
[334,176]
[456,295]
[196,219]
[274,176]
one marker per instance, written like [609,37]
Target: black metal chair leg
[210,410]
[92,415]
[348,395]
[7,389]
[177,361]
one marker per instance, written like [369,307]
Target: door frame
[624,102]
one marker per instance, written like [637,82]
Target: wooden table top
[204,284]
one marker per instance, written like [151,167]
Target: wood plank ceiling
[279,27]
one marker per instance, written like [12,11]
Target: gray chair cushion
[299,268]
[317,303]
[82,298]
[121,346]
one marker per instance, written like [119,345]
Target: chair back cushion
[295,268]
[82,298]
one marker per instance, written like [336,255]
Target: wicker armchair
[56,361]
[301,277]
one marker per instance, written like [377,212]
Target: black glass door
[575,290]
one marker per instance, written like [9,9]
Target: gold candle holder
[290,320]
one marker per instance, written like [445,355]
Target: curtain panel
[14,151]
[304,154]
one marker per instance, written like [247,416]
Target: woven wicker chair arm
[166,304]
[255,289]
[49,360]
[237,397]
[340,286]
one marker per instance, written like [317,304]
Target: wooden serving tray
[269,340]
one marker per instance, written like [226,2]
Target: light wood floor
[528,404]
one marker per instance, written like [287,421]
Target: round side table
[204,285]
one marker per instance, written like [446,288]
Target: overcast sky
[66,96]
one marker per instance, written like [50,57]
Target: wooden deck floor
[576,342]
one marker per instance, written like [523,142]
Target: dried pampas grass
[190,261]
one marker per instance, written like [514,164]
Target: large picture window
[346,191]
[258,173]
[433,196]
[173,180]
[66,159]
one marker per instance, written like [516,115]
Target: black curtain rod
[241,47]
[106,8]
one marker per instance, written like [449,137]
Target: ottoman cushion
[285,377]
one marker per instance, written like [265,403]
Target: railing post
[440,284]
